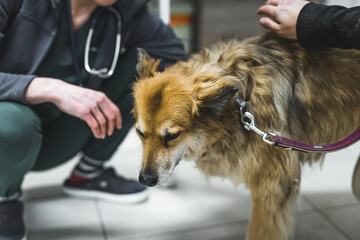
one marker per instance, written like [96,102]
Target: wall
[221,20]
[225,19]
[201,23]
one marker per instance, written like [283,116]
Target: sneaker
[356,180]
[109,187]
[12,225]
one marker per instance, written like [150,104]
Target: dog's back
[304,91]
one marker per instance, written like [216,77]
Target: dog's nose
[147,179]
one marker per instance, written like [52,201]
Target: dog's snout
[148,179]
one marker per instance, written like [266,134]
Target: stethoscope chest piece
[104,72]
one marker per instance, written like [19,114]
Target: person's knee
[20,131]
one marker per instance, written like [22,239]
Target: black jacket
[28,29]
[329,26]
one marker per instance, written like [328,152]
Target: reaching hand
[94,107]
[281,16]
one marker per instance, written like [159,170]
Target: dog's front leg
[273,200]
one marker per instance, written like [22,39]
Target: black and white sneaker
[12,225]
[107,186]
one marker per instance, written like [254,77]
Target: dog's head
[174,111]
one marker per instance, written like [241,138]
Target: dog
[187,112]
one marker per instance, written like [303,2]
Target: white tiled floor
[199,209]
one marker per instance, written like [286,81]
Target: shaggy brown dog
[187,112]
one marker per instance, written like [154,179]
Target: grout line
[304,212]
[191,229]
[102,225]
[326,217]
[345,205]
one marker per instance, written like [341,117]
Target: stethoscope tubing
[103,73]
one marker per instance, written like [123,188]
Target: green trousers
[30,143]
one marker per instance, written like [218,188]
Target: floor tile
[347,218]
[329,185]
[51,215]
[174,210]
[228,231]
[331,199]
[311,226]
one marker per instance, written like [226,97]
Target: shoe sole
[95,195]
[356,180]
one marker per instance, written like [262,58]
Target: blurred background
[199,208]
[202,22]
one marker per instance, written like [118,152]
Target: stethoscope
[103,72]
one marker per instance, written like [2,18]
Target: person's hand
[281,16]
[94,107]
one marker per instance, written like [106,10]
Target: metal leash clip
[250,125]
[249,120]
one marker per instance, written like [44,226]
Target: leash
[289,144]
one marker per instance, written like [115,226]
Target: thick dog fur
[187,112]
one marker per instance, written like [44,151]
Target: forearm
[42,90]
[330,26]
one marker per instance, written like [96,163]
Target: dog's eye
[170,137]
[140,133]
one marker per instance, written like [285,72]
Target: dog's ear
[146,66]
[213,98]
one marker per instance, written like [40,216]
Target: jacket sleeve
[329,26]
[12,86]
[147,31]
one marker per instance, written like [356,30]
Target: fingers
[272,2]
[281,16]
[116,111]
[93,124]
[108,116]
[270,21]
[101,120]
[269,24]
[112,115]
[268,10]
[102,116]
